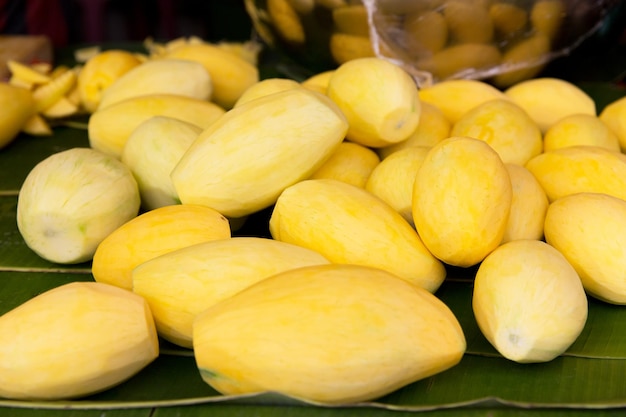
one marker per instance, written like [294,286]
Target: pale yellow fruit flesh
[152,151]
[74,340]
[265,87]
[528,301]
[73,200]
[379,99]
[590,230]
[181,284]
[580,129]
[505,127]
[327,216]
[614,116]
[243,162]
[351,163]
[461,200]
[151,234]
[301,310]
[17,107]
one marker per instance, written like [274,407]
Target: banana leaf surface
[589,379]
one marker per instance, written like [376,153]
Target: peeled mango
[17,107]
[181,284]
[528,301]
[590,230]
[242,162]
[74,340]
[151,234]
[161,76]
[348,224]
[72,200]
[461,200]
[331,334]
[110,127]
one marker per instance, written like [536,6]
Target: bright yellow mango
[461,200]
[151,234]
[528,301]
[351,163]
[332,334]
[348,224]
[181,284]
[589,229]
[74,340]
[17,107]
[575,169]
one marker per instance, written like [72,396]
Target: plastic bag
[505,41]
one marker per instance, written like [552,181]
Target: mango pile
[374,188]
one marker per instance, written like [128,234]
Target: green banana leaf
[588,379]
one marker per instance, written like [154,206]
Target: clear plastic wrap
[504,41]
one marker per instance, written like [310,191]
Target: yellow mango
[109,128]
[523,60]
[286,21]
[160,76]
[547,17]
[528,301]
[151,234]
[26,74]
[529,204]
[265,87]
[348,224]
[580,129]
[47,95]
[456,97]
[243,162]
[614,116]
[152,151]
[230,74]
[351,19]
[509,19]
[461,200]
[576,169]
[72,200]
[426,32]
[433,128]
[392,179]
[332,334]
[467,22]
[460,60]
[589,229]
[17,107]
[36,125]
[99,72]
[505,127]
[181,284]
[351,163]
[345,47]
[74,340]
[318,82]
[547,100]
[380,101]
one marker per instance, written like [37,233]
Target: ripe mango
[505,126]
[230,74]
[575,169]
[72,200]
[332,334]
[181,284]
[529,204]
[380,101]
[461,200]
[160,76]
[110,127]
[589,229]
[243,162]
[614,116]
[17,107]
[151,234]
[152,151]
[265,87]
[348,224]
[547,100]
[99,72]
[351,163]
[74,340]
[528,301]
[580,129]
